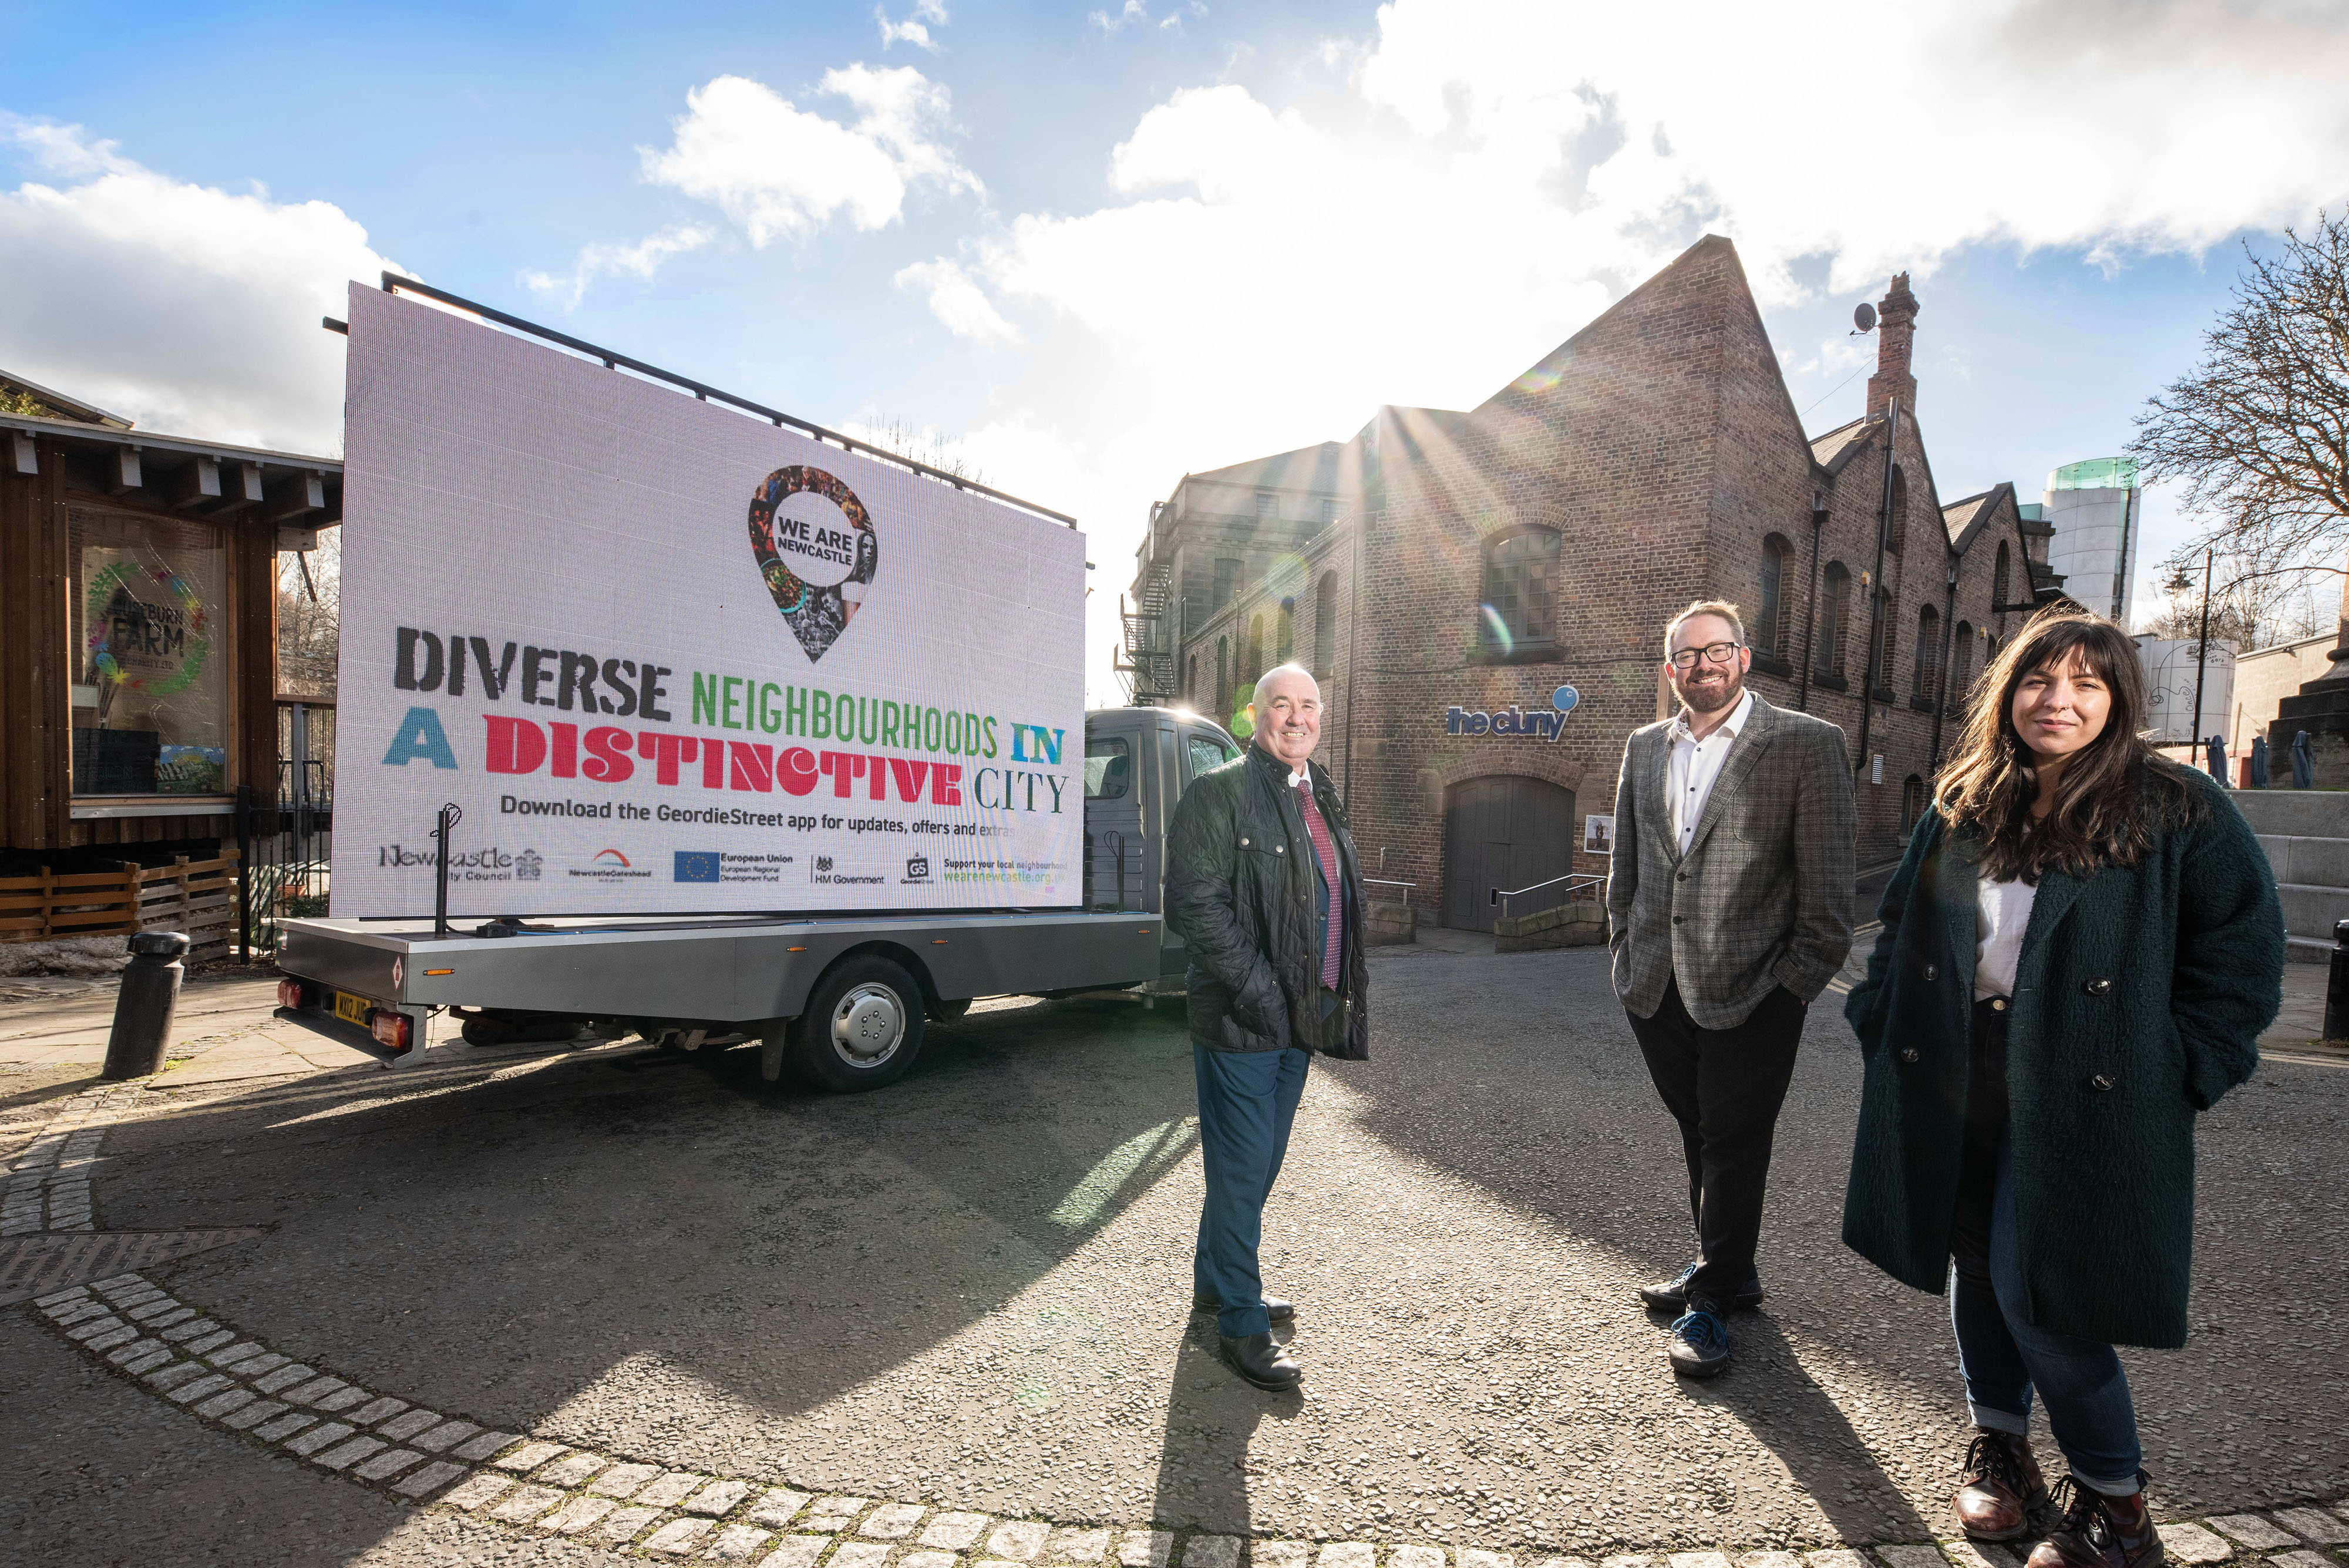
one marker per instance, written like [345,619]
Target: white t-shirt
[2003,910]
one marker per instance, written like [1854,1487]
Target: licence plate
[352,1009]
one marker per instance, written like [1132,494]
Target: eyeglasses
[1715,653]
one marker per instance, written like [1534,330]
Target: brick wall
[1661,446]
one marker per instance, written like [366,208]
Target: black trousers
[1724,1088]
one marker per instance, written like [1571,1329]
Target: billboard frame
[394,283]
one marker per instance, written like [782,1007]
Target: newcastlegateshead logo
[609,865]
[816,555]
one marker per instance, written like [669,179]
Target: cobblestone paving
[996,1253]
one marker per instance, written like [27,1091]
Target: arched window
[1191,679]
[1961,667]
[1770,622]
[1518,614]
[1896,522]
[1925,681]
[1912,801]
[1998,581]
[1250,671]
[1881,641]
[1220,699]
[1325,626]
[1835,620]
[1284,637]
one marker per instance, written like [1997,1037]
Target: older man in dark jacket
[1264,888]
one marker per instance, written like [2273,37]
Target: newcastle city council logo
[816,552]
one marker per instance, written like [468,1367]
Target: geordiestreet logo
[816,559]
[918,869]
[696,866]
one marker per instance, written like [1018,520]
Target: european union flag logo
[697,866]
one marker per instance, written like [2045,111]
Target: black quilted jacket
[1240,894]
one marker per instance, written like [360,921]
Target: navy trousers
[1248,1101]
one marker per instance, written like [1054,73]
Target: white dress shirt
[1696,764]
[2002,910]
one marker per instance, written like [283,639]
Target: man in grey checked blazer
[1729,909]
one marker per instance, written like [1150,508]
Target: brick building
[1448,575]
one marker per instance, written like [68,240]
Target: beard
[1713,699]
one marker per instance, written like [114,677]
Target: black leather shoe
[1276,1308]
[1700,1345]
[1256,1358]
[1671,1296]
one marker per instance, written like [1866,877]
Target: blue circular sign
[1564,699]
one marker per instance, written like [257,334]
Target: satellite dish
[1864,317]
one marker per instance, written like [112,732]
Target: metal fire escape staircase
[1147,661]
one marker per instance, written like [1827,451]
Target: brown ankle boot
[2100,1532]
[2001,1488]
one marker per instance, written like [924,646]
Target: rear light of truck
[293,995]
[390,1029]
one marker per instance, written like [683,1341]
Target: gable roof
[1838,446]
[1963,519]
[1306,468]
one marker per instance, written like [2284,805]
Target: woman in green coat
[2079,951]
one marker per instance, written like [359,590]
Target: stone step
[2313,862]
[2296,813]
[2312,911]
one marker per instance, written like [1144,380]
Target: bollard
[2336,985]
[144,1006]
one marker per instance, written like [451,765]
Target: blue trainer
[1699,1344]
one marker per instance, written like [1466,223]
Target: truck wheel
[861,1029]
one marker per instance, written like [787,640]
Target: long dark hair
[2115,796]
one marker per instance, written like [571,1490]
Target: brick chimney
[1896,316]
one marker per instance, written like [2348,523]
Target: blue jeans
[1248,1101]
[2004,1357]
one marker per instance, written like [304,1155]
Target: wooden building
[139,689]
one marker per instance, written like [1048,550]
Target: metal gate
[287,841]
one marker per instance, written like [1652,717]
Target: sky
[1088,248]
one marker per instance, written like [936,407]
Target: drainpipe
[1876,587]
[1811,608]
[1948,631]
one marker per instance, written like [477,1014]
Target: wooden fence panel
[198,898]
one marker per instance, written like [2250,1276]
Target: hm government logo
[918,869]
[816,551]
[823,862]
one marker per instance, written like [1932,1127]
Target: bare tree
[2252,605]
[892,433]
[309,603]
[2260,430]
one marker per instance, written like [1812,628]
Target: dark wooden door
[1504,833]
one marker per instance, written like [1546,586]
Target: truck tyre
[861,1029]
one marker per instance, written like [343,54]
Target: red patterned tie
[1326,849]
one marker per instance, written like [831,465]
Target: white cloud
[1494,172]
[611,258]
[957,302]
[781,173]
[192,310]
[916,28]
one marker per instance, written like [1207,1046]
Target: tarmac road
[972,1290]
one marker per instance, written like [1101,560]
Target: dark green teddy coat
[2138,997]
